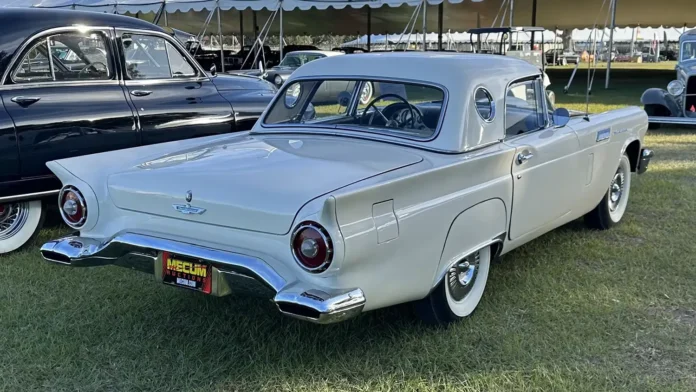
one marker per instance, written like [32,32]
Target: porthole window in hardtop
[484,104]
[75,56]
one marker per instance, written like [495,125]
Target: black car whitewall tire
[19,223]
[459,292]
[613,205]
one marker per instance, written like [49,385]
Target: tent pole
[534,21]
[164,13]
[611,42]
[440,9]
[425,25]
[369,28]
[222,49]
[241,29]
[512,11]
[281,29]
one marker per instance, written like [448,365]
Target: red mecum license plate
[186,272]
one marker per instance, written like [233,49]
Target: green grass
[575,310]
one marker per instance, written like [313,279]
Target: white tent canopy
[459,15]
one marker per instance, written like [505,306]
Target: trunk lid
[251,182]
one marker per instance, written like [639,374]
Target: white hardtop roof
[443,68]
[460,74]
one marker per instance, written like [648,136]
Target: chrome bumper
[645,157]
[231,273]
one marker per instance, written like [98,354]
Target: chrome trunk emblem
[188,209]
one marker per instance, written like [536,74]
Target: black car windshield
[295,60]
[398,109]
[688,51]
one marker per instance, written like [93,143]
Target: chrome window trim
[537,78]
[492,101]
[281,92]
[201,75]
[152,82]
[76,83]
[46,33]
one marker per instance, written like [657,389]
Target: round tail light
[72,207]
[312,247]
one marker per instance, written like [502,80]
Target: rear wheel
[19,223]
[459,292]
[611,209]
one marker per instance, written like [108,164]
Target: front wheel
[19,223]
[459,292]
[611,209]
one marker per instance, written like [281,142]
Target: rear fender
[658,96]
[479,226]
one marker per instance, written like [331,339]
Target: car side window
[75,56]
[524,111]
[150,57]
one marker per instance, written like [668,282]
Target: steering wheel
[93,66]
[387,122]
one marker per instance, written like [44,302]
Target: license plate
[186,272]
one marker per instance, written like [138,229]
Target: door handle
[25,101]
[524,157]
[140,93]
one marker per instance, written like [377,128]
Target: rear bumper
[645,157]
[231,273]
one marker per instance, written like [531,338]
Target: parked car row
[361,184]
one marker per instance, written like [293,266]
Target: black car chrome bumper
[231,272]
[645,157]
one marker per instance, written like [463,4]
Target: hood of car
[256,183]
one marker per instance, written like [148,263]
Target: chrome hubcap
[461,276]
[616,190]
[12,219]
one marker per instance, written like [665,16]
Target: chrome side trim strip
[672,120]
[28,196]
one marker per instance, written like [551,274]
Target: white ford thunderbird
[336,207]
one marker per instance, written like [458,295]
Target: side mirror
[213,70]
[561,116]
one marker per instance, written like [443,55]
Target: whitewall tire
[613,205]
[459,292]
[367,93]
[19,223]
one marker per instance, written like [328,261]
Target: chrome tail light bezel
[81,202]
[328,243]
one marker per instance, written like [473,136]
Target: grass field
[575,310]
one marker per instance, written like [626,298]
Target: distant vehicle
[76,83]
[561,57]
[677,103]
[294,60]
[354,207]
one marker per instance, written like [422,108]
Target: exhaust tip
[55,257]
[301,311]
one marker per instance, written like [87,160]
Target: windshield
[295,60]
[394,108]
[688,51]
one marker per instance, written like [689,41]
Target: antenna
[592,64]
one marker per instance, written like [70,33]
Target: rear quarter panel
[395,226]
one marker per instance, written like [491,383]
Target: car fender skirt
[231,273]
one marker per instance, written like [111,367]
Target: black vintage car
[76,83]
